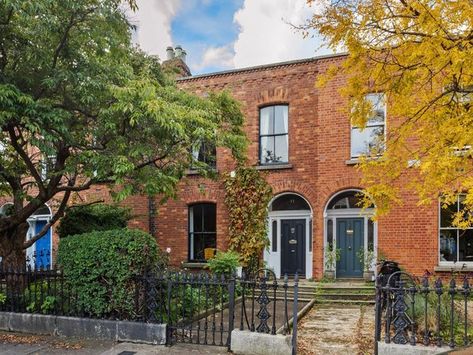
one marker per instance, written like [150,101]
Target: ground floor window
[455,244]
[202,231]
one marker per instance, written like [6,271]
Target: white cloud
[266,35]
[221,57]
[153,20]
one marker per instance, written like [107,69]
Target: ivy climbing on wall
[247,195]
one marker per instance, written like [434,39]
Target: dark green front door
[350,240]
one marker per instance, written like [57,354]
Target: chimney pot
[183,55]
[170,53]
[178,51]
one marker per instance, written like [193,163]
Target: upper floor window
[455,244]
[370,139]
[47,166]
[274,137]
[206,153]
[202,231]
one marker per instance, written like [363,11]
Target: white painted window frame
[439,228]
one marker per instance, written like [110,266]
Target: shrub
[40,297]
[3,299]
[99,268]
[224,263]
[89,218]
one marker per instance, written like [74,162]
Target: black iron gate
[200,309]
[203,309]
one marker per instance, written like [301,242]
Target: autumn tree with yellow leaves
[420,54]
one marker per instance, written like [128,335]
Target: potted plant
[367,257]
[331,257]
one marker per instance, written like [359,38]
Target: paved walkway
[21,344]
[337,330]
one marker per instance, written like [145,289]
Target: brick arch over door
[303,189]
[328,191]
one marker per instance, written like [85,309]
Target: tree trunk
[11,247]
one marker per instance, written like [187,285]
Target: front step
[345,293]
[345,302]
[345,296]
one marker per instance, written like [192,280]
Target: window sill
[193,265]
[273,167]
[354,161]
[465,267]
[191,172]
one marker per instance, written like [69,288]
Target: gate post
[231,309]
[377,314]
[294,315]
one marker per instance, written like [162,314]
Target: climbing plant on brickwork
[247,195]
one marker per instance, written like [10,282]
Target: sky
[225,34]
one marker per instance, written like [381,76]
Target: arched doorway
[351,230]
[290,236]
[39,255]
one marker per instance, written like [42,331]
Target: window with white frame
[274,135]
[455,245]
[370,139]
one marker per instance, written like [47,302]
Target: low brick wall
[148,333]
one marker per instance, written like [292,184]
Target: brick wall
[319,147]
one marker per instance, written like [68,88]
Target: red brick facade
[319,151]
[319,166]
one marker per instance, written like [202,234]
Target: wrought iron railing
[425,311]
[198,308]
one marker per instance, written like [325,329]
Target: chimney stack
[170,53]
[176,58]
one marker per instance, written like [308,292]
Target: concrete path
[21,344]
[337,330]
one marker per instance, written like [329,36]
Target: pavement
[27,344]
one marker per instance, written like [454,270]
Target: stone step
[345,302]
[347,288]
[344,296]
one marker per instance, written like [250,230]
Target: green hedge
[90,218]
[99,269]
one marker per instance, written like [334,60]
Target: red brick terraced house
[301,137]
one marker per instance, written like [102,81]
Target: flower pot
[329,274]
[368,276]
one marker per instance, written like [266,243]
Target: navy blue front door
[293,246]
[42,247]
[350,240]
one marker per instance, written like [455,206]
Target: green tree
[419,54]
[79,106]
